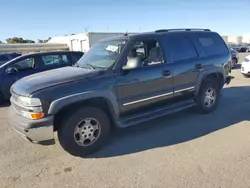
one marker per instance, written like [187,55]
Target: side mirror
[10,70]
[133,63]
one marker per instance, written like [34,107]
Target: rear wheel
[85,131]
[208,97]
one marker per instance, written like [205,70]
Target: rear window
[212,44]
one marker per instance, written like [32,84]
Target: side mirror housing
[10,70]
[133,63]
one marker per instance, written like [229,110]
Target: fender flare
[108,95]
[205,73]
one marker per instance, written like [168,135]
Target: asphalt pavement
[182,150]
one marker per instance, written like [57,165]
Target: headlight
[29,102]
[28,107]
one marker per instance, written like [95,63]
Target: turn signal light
[37,115]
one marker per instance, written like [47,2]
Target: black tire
[1,99]
[201,105]
[67,136]
[246,76]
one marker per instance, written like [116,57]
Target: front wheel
[85,131]
[208,98]
[246,76]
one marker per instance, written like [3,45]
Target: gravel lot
[184,150]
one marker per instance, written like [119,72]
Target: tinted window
[52,60]
[212,44]
[27,63]
[76,57]
[181,48]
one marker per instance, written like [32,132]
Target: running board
[152,114]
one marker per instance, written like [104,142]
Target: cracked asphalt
[182,150]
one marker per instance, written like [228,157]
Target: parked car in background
[245,67]
[244,49]
[7,57]
[234,57]
[236,48]
[121,82]
[25,65]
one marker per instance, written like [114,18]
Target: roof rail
[186,29]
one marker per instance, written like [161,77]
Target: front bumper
[37,131]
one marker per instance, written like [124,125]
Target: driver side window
[148,51]
[24,64]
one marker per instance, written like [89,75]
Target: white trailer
[82,41]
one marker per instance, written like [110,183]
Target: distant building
[225,38]
[237,39]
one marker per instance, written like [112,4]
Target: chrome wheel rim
[210,97]
[87,132]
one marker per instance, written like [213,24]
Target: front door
[148,86]
[21,68]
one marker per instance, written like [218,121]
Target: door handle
[166,73]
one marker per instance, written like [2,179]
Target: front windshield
[102,55]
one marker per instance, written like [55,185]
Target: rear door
[185,60]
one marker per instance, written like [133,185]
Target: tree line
[15,40]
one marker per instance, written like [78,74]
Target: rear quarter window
[212,44]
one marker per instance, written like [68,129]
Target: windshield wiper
[76,65]
[90,65]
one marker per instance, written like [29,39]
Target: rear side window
[181,48]
[55,60]
[212,44]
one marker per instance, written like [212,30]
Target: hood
[35,82]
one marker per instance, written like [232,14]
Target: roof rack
[187,29]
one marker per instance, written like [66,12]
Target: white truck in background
[82,41]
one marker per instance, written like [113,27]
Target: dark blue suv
[25,65]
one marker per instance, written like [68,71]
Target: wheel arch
[215,74]
[62,108]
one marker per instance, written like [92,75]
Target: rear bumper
[37,131]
